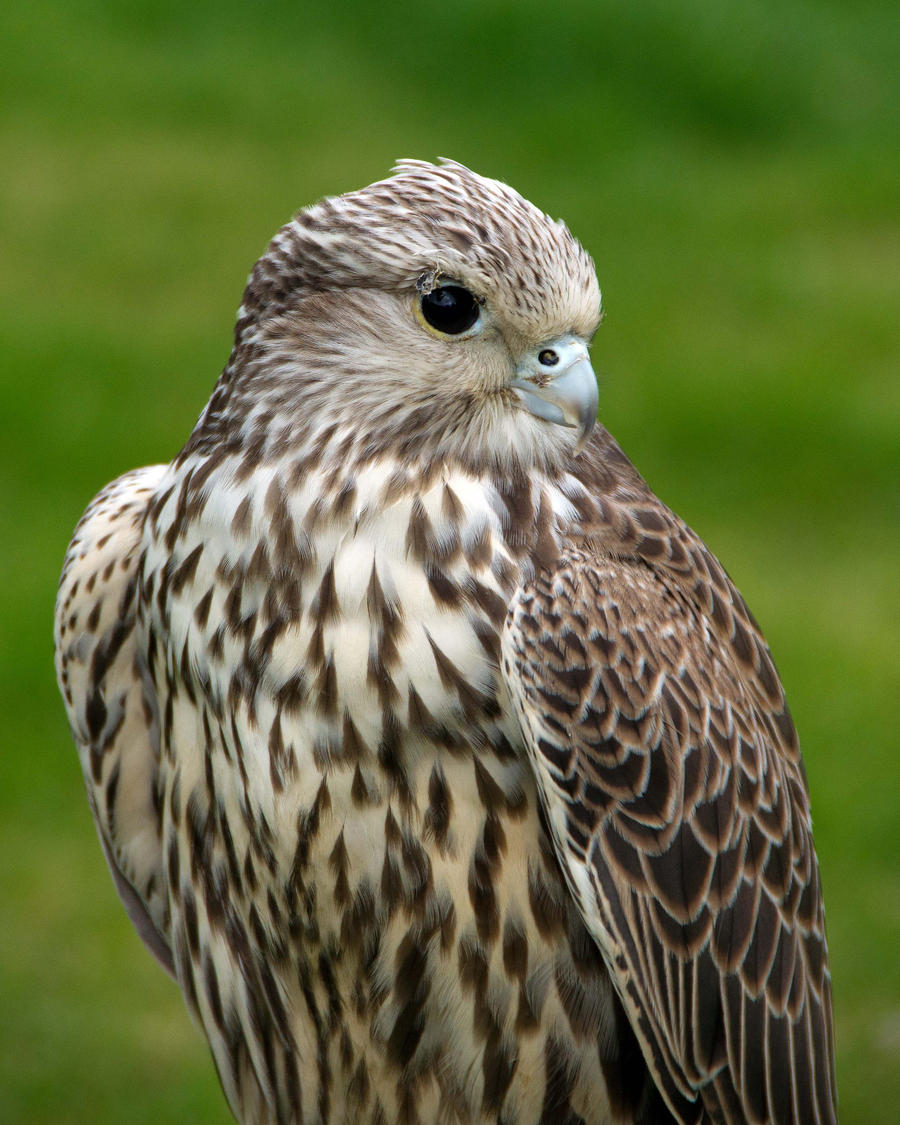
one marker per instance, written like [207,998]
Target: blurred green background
[734,171]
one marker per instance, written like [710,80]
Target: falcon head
[436,313]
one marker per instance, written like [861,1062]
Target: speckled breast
[352,790]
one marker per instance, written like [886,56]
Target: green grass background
[734,171]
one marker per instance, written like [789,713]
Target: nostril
[548,357]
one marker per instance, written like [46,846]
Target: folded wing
[110,703]
[672,781]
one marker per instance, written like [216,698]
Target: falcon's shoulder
[670,772]
[109,702]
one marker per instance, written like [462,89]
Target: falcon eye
[450,309]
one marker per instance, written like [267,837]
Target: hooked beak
[557,383]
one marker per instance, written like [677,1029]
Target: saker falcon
[439,762]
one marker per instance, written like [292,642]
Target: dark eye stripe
[450,309]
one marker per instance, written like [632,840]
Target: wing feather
[109,700]
[668,765]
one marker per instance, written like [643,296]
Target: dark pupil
[450,309]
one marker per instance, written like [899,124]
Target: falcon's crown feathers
[429,219]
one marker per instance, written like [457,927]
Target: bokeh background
[734,170]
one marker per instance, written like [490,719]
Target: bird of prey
[439,762]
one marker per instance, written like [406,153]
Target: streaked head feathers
[430,220]
[330,325]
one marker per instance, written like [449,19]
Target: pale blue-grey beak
[557,383]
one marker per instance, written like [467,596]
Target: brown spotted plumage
[437,759]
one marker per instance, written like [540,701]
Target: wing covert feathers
[670,772]
[109,703]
